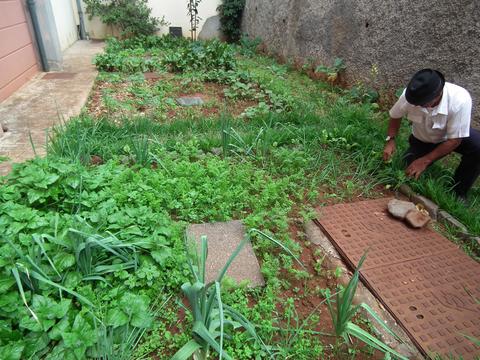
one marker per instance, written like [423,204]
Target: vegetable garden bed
[92,254]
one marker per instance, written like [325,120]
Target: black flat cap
[424,86]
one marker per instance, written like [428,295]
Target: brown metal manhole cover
[58,75]
[424,280]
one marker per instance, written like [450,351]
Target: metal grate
[420,276]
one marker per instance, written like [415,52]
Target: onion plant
[344,311]
[213,321]
[472,339]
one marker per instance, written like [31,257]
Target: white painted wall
[174,11]
[64,14]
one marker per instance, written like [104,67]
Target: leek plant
[344,311]
[213,321]
[472,339]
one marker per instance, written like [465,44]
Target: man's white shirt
[450,119]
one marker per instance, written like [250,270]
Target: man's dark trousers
[469,168]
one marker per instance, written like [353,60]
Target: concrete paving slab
[42,103]
[223,238]
[190,101]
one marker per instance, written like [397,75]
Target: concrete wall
[174,11]
[397,37]
[65,22]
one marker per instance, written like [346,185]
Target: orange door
[18,62]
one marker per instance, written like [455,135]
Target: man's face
[434,102]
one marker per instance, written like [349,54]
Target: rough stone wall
[397,37]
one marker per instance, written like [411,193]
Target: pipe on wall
[36,29]
[83,35]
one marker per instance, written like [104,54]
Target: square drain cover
[421,277]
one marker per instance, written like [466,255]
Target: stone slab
[451,221]
[190,101]
[223,238]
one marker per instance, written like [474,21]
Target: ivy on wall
[231,12]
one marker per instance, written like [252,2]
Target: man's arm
[418,166]
[393,127]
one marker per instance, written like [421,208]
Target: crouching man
[440,113]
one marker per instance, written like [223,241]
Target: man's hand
[388,150]
[416,168]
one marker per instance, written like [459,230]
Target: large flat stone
[223,238]
[190,101]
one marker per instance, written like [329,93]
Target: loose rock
[400,208]
[417,219]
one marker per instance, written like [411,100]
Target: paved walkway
[42,103]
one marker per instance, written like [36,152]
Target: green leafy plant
[126,61]
[231,12]
[344,311]
[213,321]
[332,72]
[240,90]
[200,56]
[248,46]
[364,94]
[132,17]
